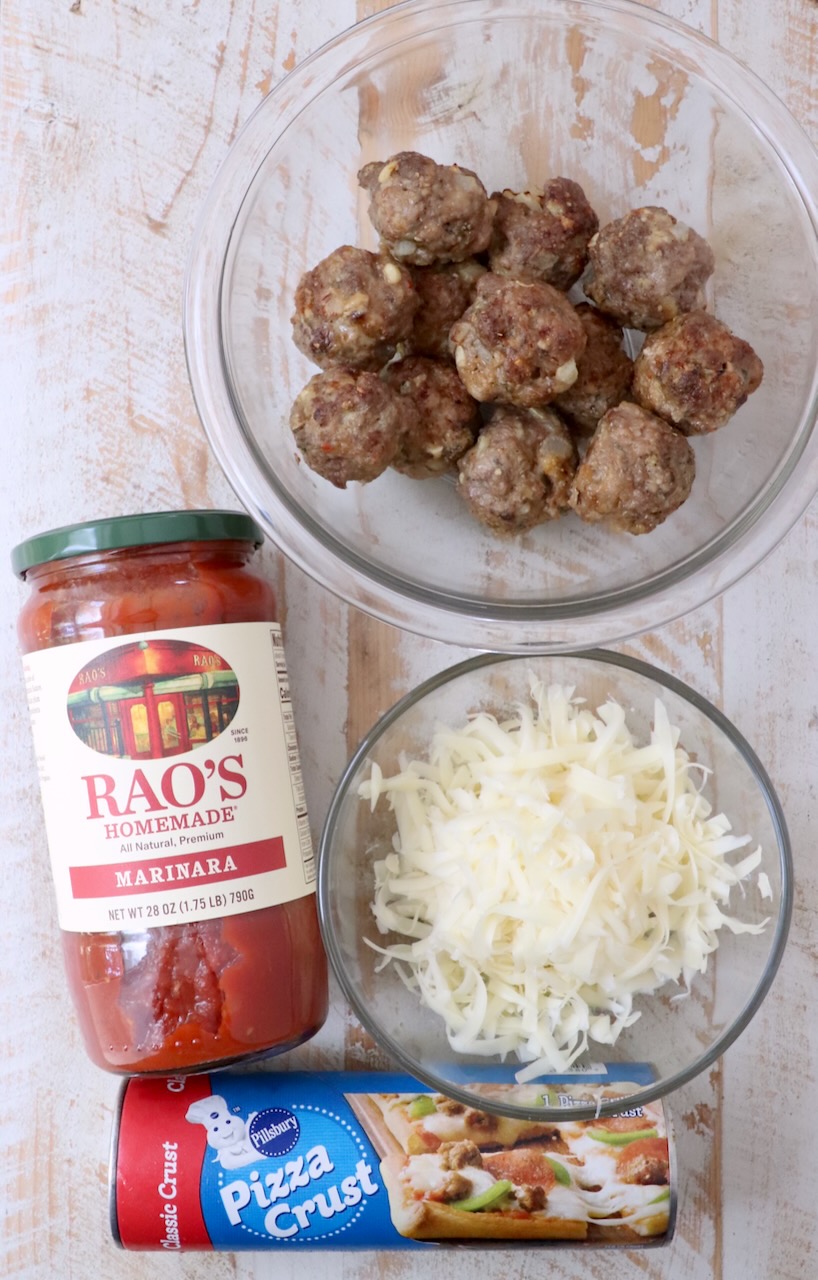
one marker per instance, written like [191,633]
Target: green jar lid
[133,531]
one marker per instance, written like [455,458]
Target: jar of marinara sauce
[174,806]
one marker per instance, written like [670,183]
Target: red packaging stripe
[151,875]
[158,1204]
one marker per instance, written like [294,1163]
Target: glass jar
[174,806]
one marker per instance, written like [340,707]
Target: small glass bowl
[640,110]
[678,1037]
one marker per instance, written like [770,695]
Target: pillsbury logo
[274,1131]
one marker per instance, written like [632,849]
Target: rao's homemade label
[170,777]
[365,1160]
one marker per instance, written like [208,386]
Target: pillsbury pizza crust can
[374,1161]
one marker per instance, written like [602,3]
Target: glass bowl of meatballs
[501,318]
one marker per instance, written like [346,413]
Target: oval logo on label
[152,698]
[274,1131]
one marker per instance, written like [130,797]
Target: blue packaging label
[306,1174]
[376,1161]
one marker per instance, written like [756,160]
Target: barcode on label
[296,780]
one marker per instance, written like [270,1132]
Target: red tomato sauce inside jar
[194,992]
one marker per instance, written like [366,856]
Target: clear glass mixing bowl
[639,110]
[678,1037]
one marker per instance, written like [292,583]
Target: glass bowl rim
[599,617]
[660,1088]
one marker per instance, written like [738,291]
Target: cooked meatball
[460,1155]
[647,268]
[485,1121]
[348,425]
[604,373]
[427,212]
[448,1106]
[518,343]
[454,1187]
[542,236]
[444,293]
[520,470]
[644,1162]
[353,309]
[443,420]
[636,472]
[695,373]
[531,1199]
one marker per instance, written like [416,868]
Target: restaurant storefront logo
[152,698]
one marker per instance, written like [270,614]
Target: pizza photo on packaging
[456,1172]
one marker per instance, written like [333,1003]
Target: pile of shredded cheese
[546,870]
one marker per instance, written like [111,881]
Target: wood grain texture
[115,117]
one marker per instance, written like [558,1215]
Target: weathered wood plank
[114,121]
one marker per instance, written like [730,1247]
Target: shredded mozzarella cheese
[546,870]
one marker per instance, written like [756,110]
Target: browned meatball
[647,268]
[485,1122]
[519,472]
[543,236]
[695,373]
[427,212]
[604,373]
[531,1199]
[444,293]
[518,343]
[348,425]
[455,1186]
[443,420]
[460,1155]
[353,309]
[448,1106]
[644,1163]
[637,471]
